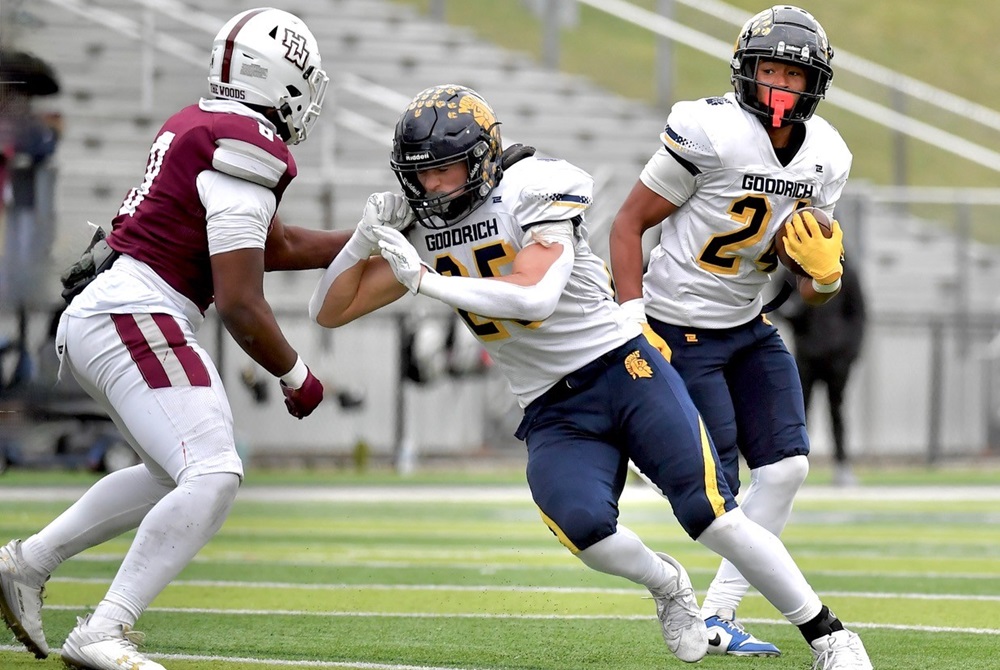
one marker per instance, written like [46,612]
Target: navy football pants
[627,404]
[746,385]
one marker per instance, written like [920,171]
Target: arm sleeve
[504,300]
[238,212]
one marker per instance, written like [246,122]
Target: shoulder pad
[248,161]
[827,143]
[685,136]
[515,153]
[551,190]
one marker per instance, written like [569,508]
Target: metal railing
[889,118]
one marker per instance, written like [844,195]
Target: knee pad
[216,489]
[783,478]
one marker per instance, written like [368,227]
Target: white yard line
[516,493]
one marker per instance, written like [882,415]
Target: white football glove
[384,209]
[402,257]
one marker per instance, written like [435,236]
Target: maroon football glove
[303,400]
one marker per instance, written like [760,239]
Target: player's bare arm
[297,248]
[356,281]
[531,264]
[642,209]
[239,299]
[361,289]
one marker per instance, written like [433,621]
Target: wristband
[296,377]
[826,288]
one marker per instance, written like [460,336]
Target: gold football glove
[658,342]
[818,255]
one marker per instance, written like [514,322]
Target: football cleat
[21,600]
[683,628]
[91,647]
[726,636]
[840,650]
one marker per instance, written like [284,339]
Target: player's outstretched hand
[303,400]
[402,257]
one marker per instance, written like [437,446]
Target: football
[779,238]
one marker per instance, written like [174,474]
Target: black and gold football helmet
[789,35]
[443,125]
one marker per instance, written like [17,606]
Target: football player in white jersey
[500,237]
[200,228]
[729,172]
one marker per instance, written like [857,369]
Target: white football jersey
[587,321]
[716,253]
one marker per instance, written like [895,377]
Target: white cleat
[840,650]
[114,648]
[683,628]
[21,600]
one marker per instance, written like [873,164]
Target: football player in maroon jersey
[199,228]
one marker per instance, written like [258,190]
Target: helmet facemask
[298,111]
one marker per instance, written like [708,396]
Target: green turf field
[391,576]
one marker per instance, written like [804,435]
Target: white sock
[762,557]
[169,537]
[767,501]
[624,554]
[115,504]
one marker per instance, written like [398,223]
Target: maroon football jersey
[162,221]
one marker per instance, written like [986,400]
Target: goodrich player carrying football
[730,171]
[501,238]
[200,227]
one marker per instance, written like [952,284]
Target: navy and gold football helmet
[444,125]
[789,35]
